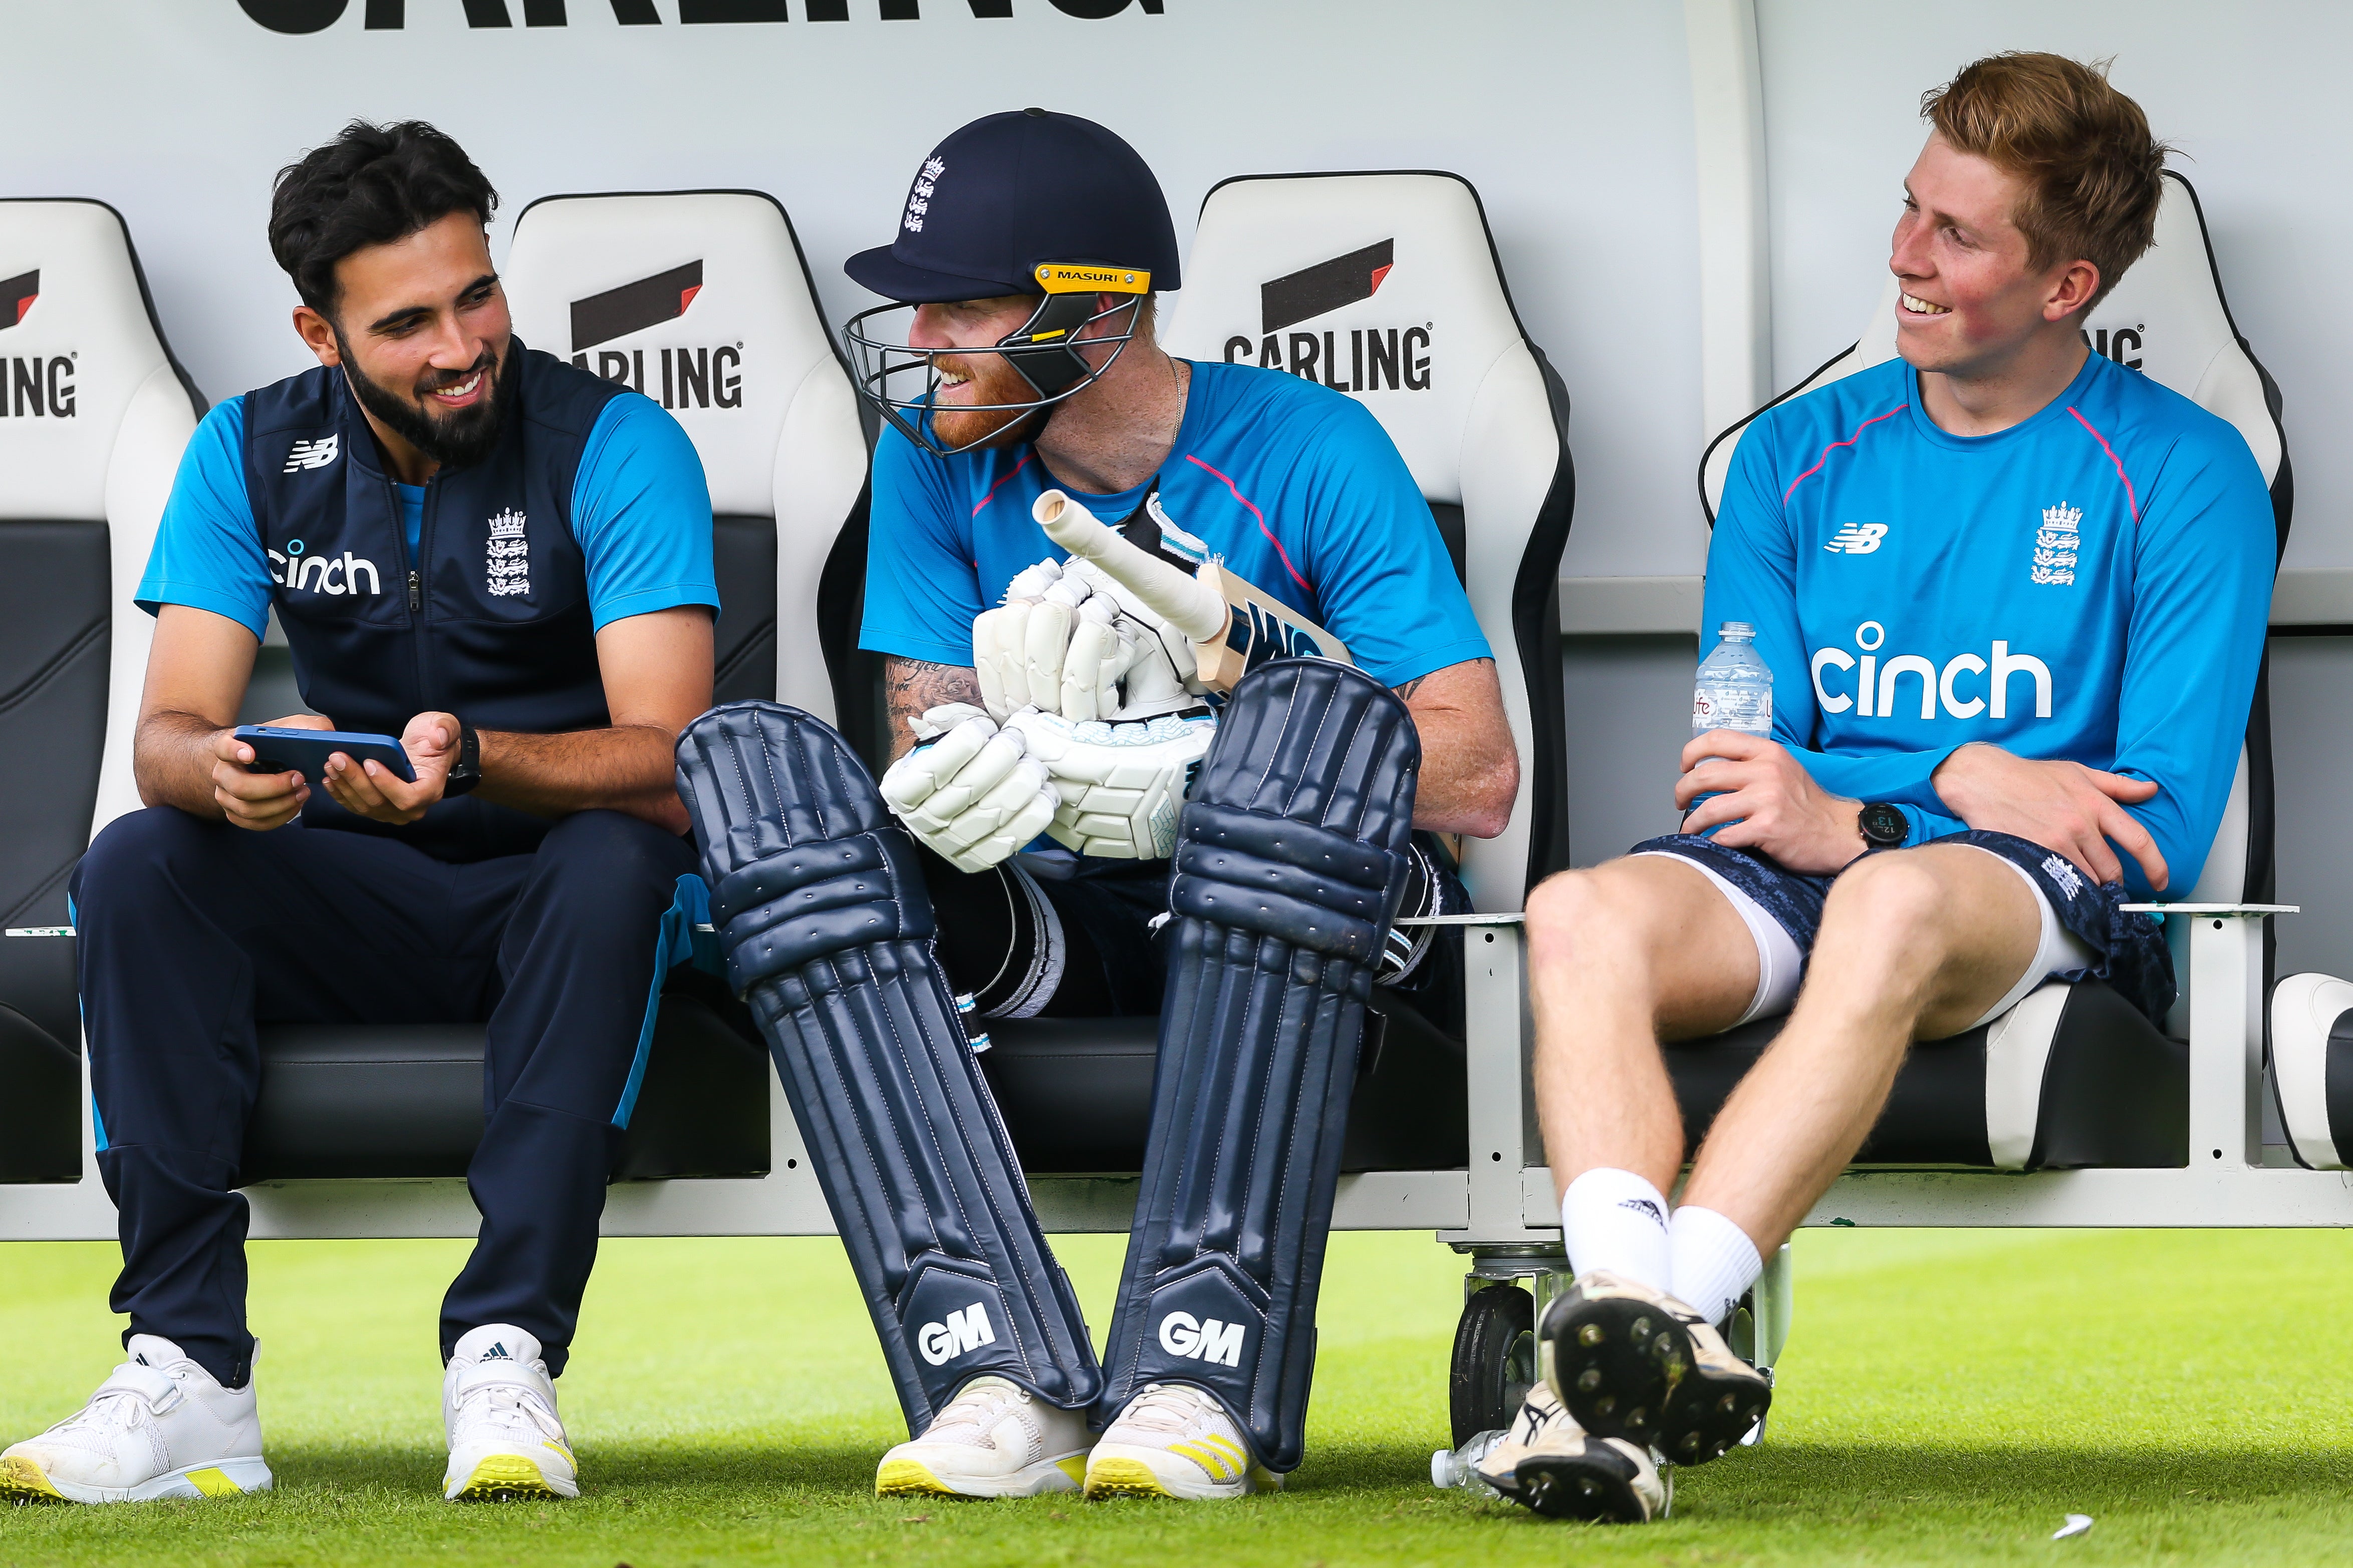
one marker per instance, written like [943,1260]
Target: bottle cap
[1736,629]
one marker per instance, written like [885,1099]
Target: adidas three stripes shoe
[1175,1440]
[995,1438]
[498,1405]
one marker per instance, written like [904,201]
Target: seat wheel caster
[1494,1361]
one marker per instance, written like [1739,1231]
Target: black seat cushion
[40,1101]
[1076,1093]
[406,1101]
[2115,1092]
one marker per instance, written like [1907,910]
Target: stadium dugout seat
[1385,287]
[2072,1077]
[94,412]
[701,300]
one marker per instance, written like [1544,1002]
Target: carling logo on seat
[702,376]
[16,297]
[1369,359]
[34,385]
[315,453]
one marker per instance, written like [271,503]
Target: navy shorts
[2128,951]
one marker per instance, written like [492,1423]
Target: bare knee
[1573,916]
[1898,905]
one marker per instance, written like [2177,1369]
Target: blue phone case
[305,752]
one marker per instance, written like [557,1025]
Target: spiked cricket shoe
[1174,1440]
[995,1438]
[1547,1462]
[498,1405]
[159,1426]
[1629,1360]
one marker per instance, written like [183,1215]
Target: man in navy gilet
[506,563]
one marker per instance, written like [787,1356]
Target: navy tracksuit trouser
[192,932]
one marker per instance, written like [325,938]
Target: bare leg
[1915,944]
[1621,955]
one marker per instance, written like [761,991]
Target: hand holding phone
[282,750]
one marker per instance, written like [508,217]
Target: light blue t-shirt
[640,509]
[1295,488]
[2092,584]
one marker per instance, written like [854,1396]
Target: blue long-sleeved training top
[2090,585]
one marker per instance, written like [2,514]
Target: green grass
[1947,1397]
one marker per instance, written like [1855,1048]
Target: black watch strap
[1884,825]
[467,771]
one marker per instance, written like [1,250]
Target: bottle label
[1744,707]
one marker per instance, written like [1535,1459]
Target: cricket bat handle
[1190,606]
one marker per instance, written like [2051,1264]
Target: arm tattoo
[911,685]
[1405,693]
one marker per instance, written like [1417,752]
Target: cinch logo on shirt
[1219,1343]
[315,453]
[1856,538]
[2055,544]
[963,1331]
[1877,690]
[313,573]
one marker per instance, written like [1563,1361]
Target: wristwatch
[1884,826]
[467,771]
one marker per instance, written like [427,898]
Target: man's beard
[960,428]
[454,441]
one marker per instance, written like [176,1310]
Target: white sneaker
[995,1438]
[159,1426]
[1549,1463]
[1176,1440]
[498,1405]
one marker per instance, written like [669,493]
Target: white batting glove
[1120,786]
[972,794]
[1071,642]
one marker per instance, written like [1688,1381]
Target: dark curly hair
[372,184]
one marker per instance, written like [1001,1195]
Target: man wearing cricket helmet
[1125,803]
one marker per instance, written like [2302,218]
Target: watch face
[1882,824]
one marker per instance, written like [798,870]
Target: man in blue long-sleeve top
[2013,598]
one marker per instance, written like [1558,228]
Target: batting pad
[1290,862]
[827,932]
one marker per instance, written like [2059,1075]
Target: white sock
[1615,1220]
[1714,1262]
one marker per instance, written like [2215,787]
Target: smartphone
[305,752]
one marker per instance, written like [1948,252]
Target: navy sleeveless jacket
[491,621]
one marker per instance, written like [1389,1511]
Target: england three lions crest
[508,570]
[2057,544]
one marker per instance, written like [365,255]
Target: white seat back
[702,300]
[2168,319]
[94,414]
[1387,287]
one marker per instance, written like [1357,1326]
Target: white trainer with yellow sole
[159,1426]
[498,1405]
[1175,1440]
[995,1438]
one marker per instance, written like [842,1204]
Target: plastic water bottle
[1735,690]
[1457,1469]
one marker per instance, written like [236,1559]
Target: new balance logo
[315,453]
[1856,539]
[1219,1343]
[2056,544]
[967,1330]
[2070,883]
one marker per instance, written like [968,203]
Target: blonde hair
[2093,174]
